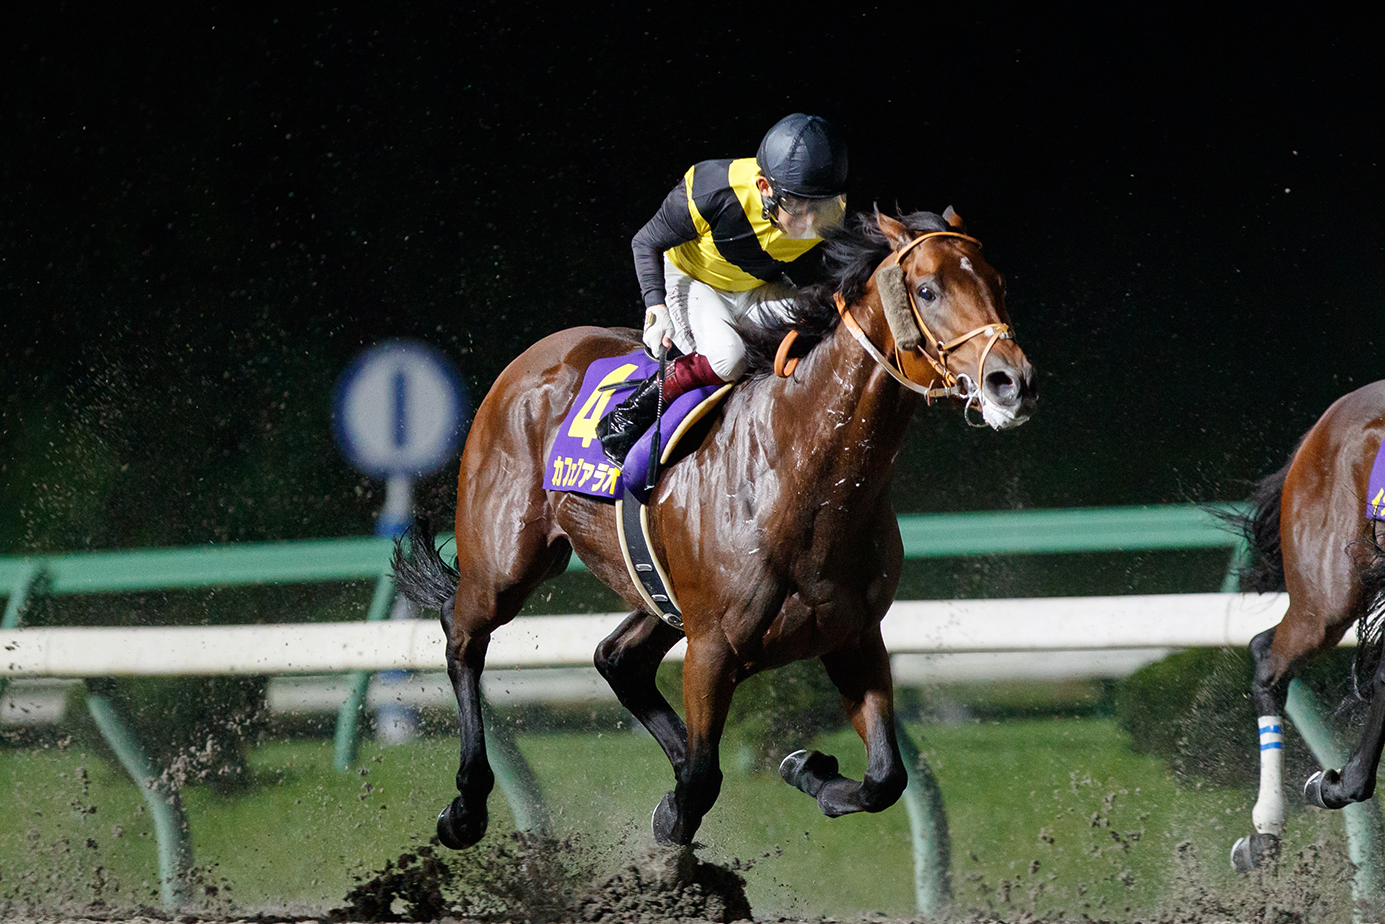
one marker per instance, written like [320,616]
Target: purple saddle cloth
[1375,488]
[575,460]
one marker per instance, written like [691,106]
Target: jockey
[714,256]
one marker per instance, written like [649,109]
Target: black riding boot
[619,429]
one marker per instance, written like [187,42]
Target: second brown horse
[778,533]
[1310,524]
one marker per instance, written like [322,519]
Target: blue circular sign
[399,409]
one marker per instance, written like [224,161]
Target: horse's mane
[851,255]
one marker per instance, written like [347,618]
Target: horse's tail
[422,576]
[1260,527]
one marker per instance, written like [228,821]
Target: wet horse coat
[779,535]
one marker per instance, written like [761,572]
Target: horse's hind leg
[1268,690]
[629,659]
[463,822]
[1331,789]
[1277,654]
[468,620]
[862,675]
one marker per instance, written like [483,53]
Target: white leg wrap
[1268,814]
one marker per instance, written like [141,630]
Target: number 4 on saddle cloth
[576,463]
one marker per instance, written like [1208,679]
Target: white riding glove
[657,326]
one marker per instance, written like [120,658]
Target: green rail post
[1240,559]
[1362,819]
[25,580]
[170,823]
[514,775]
[348,737]
[928,831]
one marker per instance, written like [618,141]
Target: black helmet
[804,156]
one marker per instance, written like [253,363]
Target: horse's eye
[927,294]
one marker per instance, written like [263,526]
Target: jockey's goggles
[825,213]
[810,218]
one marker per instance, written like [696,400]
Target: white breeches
[704,317]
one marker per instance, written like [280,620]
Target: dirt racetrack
[543,881]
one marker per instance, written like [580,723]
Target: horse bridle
[952,383]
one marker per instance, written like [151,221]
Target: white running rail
[911,627]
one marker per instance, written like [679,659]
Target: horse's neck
[853,416]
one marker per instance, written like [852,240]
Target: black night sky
[207,211]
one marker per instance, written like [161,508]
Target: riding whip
[652,472]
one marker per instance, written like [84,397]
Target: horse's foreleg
[1331,789]
[629,659]
[463,822]
[709,679]
[862,675]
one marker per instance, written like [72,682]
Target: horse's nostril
[1003,387]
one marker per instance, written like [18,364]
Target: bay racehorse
[778,533]
[1310,525]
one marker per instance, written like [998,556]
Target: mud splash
[664,886]
[1310,886]
[541,880]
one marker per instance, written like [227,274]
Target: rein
[954,385]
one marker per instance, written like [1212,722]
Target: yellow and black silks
[713,228]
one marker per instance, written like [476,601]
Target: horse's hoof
[1254,852]
[808,770]
[664,821]
[459,829]
[1312,790]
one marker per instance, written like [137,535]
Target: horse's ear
[954,220]
[894,230]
